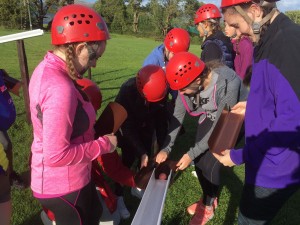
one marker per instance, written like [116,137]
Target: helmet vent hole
[82,15]
[72,23]
[74,15]
[66,18]
[91,16]
[176,74]
[87,22]
[79,21]
[176,81]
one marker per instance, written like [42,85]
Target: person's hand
[144,160]
[225,158]
[184,162]
[161,157]
[113,141]
[239,108]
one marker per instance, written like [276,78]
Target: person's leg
[108,218]
[77,208]
[260,205]
[14,177]
[5,200]
[128,159]
[208,173]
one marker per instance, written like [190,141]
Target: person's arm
[112,165]
[7,107]
[175,125]
[58,108]
[173,130]
[129,129]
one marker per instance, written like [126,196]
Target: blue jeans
[260,205]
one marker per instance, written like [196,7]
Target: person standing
[243,49]
[272,112]
[144,98]
[7,118]
[204,90]
[215,46]
[63,119]
[176,40]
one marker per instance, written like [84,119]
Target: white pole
[21,35]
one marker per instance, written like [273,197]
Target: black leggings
[208,168]
[258,205]
[81,207]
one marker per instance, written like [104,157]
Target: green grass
[122,59]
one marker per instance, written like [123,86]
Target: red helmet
[78,23]
[92,91]
[207,11]
[177,40]
[151,83]
[226,3]
[183,69]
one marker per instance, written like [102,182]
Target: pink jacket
[63,145]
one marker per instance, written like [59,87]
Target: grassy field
[122,59]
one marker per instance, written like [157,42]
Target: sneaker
[45,219]
[192,208]
[121,207]
[16,180]
[137,192]
[194,173]
[203,215]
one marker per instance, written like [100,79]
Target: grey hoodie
[225,88]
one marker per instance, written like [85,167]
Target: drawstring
[200,113]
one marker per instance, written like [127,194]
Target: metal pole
[30,24]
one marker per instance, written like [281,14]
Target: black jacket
[143,119]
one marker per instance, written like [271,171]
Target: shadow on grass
[234,186]
[33,220]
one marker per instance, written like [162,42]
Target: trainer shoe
[192,208]
[137,192]
[45,219]
[203,215]
[121,207]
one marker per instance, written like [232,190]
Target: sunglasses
[92,52]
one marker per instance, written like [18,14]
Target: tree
[11,13]
[190,8]
[294,15]
[134,9]
[171,11]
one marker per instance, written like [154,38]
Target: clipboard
[111,119]
[226,131]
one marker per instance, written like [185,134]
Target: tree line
[153,19]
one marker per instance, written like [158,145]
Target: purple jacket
[272,121]
[244,55]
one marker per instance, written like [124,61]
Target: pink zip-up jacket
[63,145]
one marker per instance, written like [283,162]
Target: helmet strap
[256,26]
[204,30]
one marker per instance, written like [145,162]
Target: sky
[283,5]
